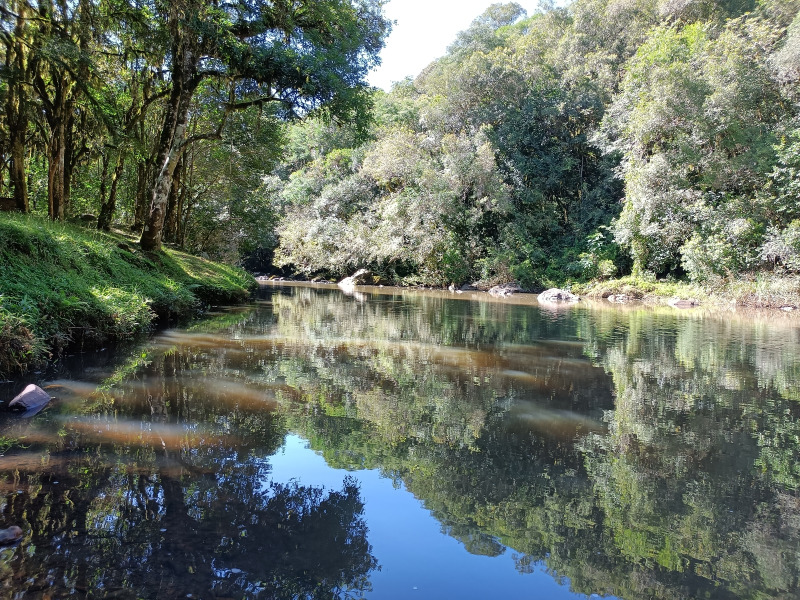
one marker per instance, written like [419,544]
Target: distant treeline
[587,142]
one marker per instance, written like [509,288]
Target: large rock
[556,295]
[10,535]
[683,302]
[30,401]
[504,289]
[360,277]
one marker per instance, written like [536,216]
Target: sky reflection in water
[402,444]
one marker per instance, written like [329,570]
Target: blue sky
[424,30]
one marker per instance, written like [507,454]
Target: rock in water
[360,277]
[10,535]
[31,400]
[556,295]
[504,289]
[683,302]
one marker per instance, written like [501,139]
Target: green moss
[62,284]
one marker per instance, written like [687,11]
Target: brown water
[405,444]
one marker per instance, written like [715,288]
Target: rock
[31,400]
[504,289]
[683,302]
[619,298]
[360,277]
[556,295]
[10,535]
[788,307]
[468,287]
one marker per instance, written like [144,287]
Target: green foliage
[672,123]
[782,247]
[696,119]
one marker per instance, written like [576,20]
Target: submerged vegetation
[63,285]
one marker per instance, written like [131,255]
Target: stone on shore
[504,289]
[683,302]
[556,295]
[30,400]
[10,535]
[360,277]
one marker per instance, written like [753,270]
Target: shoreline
[595,301]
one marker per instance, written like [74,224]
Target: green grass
[760,290]
[62,285]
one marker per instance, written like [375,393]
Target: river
[405,444]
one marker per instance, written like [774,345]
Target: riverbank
[64,286]
[764,291]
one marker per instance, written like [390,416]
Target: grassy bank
[63,285]
[765,290]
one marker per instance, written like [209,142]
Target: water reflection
[638,453]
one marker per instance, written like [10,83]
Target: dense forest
[603,138]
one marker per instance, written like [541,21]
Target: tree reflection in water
[159,487]
[630,452]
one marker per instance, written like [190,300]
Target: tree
[18,75]
[696,120]
[301,55]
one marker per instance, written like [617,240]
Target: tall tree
[302,54]
[17,72]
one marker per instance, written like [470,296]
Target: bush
[782,247]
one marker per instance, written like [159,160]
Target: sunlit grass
[764,290]
[61,284]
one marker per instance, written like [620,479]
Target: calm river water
[426,445]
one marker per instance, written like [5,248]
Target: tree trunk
[17,107]
[186,192]
[172,140]
[18,176]
[106,215]
[56,171]
[171,219]
[144,175]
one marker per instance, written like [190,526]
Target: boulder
[504,289]
[619,298]
[360,277]
[683,302]
[468,287]
[10,535]
[30,400]
[556,295]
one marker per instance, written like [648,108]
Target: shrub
[782,247]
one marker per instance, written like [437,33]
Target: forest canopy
[588,141]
